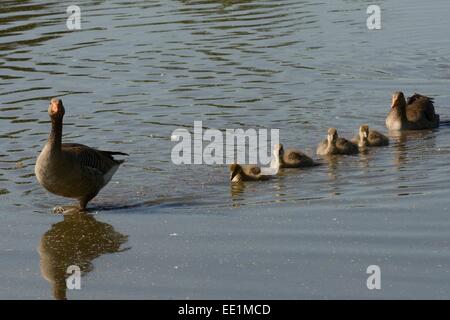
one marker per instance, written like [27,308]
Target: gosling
[240,173]
[334,145]
[290,158]
[370,138]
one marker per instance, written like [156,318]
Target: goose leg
[83,204]
[84,201]
[59,210]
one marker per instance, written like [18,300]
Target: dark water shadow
[444,123]
[224,3]
[154,203]
[77,240]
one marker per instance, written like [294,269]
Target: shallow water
[139,70]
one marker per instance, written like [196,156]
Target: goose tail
[111,154]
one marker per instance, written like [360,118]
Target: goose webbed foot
[66,210]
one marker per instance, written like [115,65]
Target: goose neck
[56,134]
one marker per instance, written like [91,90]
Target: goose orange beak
[394,102]
[56,105]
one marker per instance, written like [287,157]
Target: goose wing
[85,156]
[419,104]
[346,146]
[255,170]
[294,155]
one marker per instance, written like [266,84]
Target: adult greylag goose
[335,145]
[291,158]
[370,138]
[415,114]
[73,170]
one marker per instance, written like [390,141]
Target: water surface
[140,69]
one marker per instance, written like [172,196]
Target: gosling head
[235,170]
[398,100]
[56,109]
[364,132]
[278,150]
[332,135]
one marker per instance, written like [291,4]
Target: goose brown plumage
[240,173]
[73,170]
[370,138]
[415,114]
[335,145]
[291,158]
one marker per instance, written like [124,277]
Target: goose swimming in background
[415,114]
[334,145]
[73,170]
[370,138]
[290,158]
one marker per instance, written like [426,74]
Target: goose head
[235,170]
[56,109]
[332,136]
[364,132]
[278,153]
[278,150]
[398,100]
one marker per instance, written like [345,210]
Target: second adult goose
[73,170]
[415,114]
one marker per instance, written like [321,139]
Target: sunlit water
[140,69]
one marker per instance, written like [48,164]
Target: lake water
[137,70]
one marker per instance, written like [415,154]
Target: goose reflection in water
[77,240]
[410,151]
[404,151]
